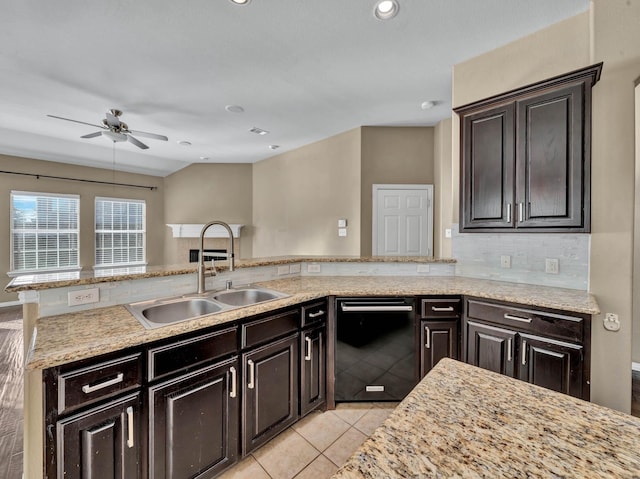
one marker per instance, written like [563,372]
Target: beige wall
[444,189]
[87,192]
[201,193]
[635,352]
[616,41]
[299,196]
[555,50]
[392,155]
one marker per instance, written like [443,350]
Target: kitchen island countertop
[465,422]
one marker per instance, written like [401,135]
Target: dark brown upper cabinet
[526,157]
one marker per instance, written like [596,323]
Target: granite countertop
[69,337]
[465,422]
[34,282]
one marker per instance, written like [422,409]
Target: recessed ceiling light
[259,131]
[426,105]
[240,2]
[234,108]
[386,9]
[205,158]
[184,143]
[274,147]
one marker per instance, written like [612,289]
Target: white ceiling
[302,69]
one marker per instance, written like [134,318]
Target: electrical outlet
[611,322]
[342,231]
[294,268]
[283,270]
[83,296]
[313,268]
[551,266]
[505,261]
[423,268]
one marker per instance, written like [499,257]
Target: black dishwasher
[375,349]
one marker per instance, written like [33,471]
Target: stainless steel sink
[157,313]
[246,296]
[162,312]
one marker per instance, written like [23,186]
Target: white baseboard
[6,304]
[635,366]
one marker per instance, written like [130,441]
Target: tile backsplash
[479,255]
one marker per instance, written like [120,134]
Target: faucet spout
[230,252]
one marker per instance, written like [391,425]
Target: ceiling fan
[116,130]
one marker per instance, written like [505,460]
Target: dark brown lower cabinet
[490,347]
[551,364]
[312,369]
[270,391]
[439,339]
[193,423]
[101,443]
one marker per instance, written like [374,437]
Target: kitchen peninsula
[61,335]
[462,421]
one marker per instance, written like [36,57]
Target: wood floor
[11,383]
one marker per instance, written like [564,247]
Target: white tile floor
[316,446]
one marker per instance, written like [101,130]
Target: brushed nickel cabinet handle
[524,353]
[307,356]
[252,374]
[508,212]
[517,318]
[437,309]
[316,315]
[130,427]
[234,377]
[520,212]
[87,389]
[427,333]
[509,354]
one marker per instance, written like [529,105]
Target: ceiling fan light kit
[116,130]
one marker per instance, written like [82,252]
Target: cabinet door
[439,340]
[312,369]
[550,165]
[491,348]
[193,423]
[487,169]
[551,364]
[270,391]
[101,443]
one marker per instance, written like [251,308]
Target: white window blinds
[44,231]
[120,232]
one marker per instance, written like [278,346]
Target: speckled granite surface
[465,422]
[69,337]
[58,280]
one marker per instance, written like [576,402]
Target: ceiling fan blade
[75,121]
[137,142]
[112,120]
[153,136]
[92,135]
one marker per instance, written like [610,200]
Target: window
[44,232]
[120,232]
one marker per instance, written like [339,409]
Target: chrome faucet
[230,252]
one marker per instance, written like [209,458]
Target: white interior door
[402,220]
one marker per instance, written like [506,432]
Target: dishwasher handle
[355,307]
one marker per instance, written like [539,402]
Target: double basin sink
[156,313]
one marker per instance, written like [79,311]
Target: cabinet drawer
[554,324]
[182,355]
[314,313]
[78,387]
[441,308]
[262,330]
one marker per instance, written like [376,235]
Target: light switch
[342,231]
[342,223]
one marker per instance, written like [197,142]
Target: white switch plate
[551,266]
[283,270]
[505,261]
[342,223]
[342,231]
[313,268]
[447,233]
[83,296]
[611,322]
[423,268]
